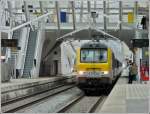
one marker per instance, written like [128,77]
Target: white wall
[67,58]
[54,57]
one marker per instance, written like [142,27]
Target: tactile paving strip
[137,91]
[125,98]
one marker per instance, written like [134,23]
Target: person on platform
[143,22]
[132,72]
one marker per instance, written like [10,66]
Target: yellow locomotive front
[94,66]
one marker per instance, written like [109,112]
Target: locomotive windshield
[93,55]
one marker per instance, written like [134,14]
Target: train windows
[87,55]
[93,55]
[103,55]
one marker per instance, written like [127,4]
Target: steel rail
[94,106]
[25,102]
[68,105]
[75,101]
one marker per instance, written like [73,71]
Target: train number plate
[93,74]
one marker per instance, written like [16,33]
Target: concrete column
[58,15]
[135,11]
[41,7]
[120,14]
[89,6]
[81,11]
[94,5]
[26,10]
[10,13]
[104,11]
[73,15]
[42,12]
[8,50]
[138,53]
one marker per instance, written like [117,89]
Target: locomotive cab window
[93,55]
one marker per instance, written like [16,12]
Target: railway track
[17,104]
[83,104]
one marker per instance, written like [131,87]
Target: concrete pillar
[135,12]
[105,19]
[42,12]
[94,5]
[81,12]
[26,10]
[10,13]
[138,53]
[120,14]
[73,15]
[58,17]
[89,6]
[41,7]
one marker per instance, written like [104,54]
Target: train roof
[93,45]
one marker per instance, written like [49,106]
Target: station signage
[9,43]
[139,43]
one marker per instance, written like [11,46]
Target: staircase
[30,53]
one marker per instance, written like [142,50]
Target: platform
[127,98]
[18,88]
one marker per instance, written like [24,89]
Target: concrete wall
[56,55]
[47,67]
[65,56]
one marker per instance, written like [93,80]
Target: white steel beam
[41,7]
[58,15]
[73,15]
[30,22]
[87,0]
[135,11]
[81,12]
[10,13]
[93,28]
[89,6]
[26,10]
[105,19]
[120,14]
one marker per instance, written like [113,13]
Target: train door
[55,67]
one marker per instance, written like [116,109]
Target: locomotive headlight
[106,72]
[81,72]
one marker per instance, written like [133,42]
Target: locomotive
[96,66]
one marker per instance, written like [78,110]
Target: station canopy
[81,36]
[120,49]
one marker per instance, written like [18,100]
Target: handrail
[3,16]
[30,22]
[3,11]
